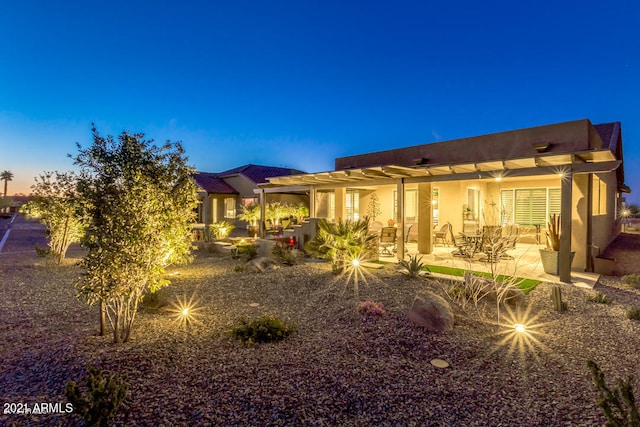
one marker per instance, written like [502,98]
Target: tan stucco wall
[579,218]
[606,227]
[563,138]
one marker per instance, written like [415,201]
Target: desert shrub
[266,328]
[284,255]
[599,298]
[248,251]
[618,405]
[238,268]
[471,291]
[633,312]
[105,393]
[632,280]
[370,308]
[413,267]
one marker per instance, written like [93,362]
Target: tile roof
[258,174]
[609,133]
[212,183]
[215,183]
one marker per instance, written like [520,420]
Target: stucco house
[574,169]
[222,194]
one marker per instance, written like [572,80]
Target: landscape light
[185,311]
[355,262]
[520,328]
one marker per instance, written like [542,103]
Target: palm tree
[6,176]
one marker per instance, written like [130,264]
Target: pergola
[566,165]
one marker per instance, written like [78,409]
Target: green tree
[140,200]
[56,203]
[6,176]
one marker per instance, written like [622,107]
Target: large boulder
[432,312]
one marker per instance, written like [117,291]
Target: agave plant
[413,267]
[341,241]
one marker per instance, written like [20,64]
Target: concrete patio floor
[525,263]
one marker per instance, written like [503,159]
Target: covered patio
[516,178]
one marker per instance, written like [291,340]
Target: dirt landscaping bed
[337,368]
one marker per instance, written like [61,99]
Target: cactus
[553,233]
[556,297]
[105,394]
[618,404]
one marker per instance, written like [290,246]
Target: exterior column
[262,198]
[312,202]
[206,210]
[400,220]
[425,218]
[566,209]
[341,212]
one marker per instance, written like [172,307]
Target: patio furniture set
[491,242]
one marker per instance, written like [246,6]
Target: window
[230,207]
[599,204]
[352,205]
[331,214]
[529,206]
[410,204]
[248,201]
[506,207]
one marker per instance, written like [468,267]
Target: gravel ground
[336,369]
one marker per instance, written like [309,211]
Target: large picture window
[230,207]
[352,205]
[331,208]
[599,203]
[410,204]
[529,206]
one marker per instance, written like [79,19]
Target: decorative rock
[432,312]
[439,363]
[254,304]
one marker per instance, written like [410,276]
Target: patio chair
[510,236]
[388,241]
[442,235]
[407,232]
[463,247]
[375,226]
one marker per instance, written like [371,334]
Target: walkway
[20,235]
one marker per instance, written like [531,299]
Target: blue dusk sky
[299,83]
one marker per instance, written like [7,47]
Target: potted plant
[550,255]
[468,212]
